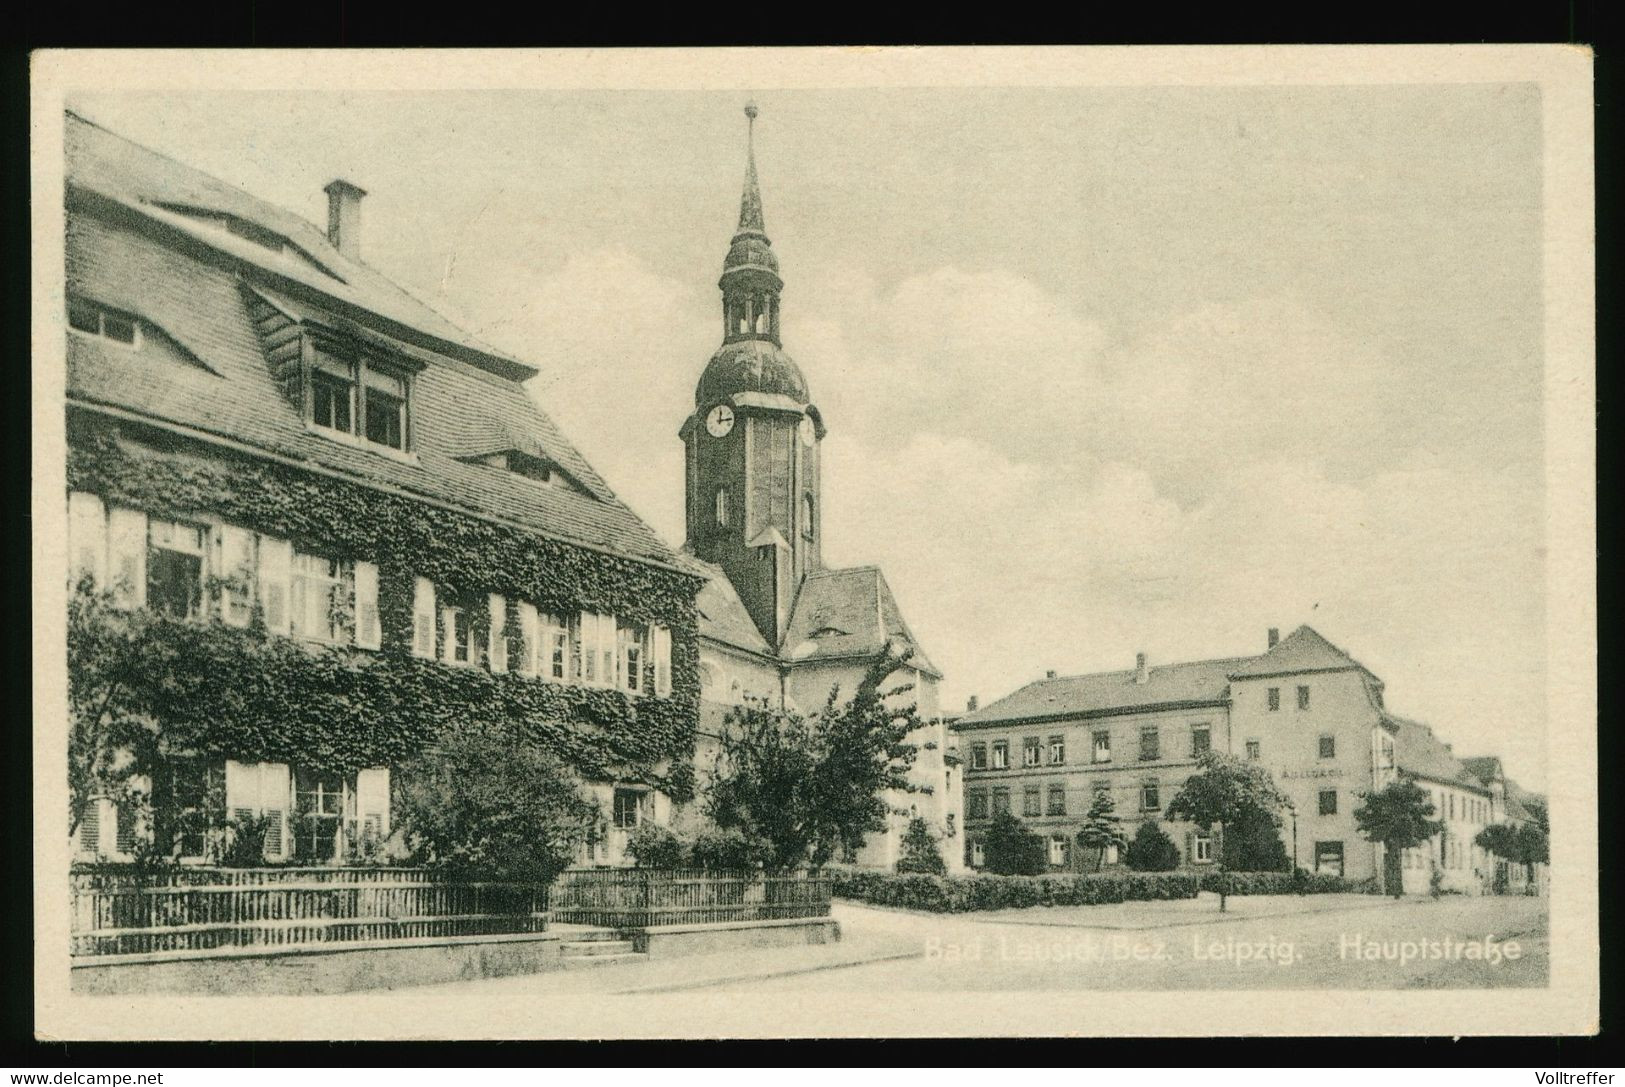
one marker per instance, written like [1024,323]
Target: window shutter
[1190,847]
[90,827]
[662,654]
[368,631]
[372,797]
[499,625]
[448,643]
[87,537]
[530,663]
[274,787]
[423,618]
[127,556]
[276,564]
[608,673]
[234,558]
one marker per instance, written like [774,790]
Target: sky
[1105,370]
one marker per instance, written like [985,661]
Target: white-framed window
[628,806]
[555,648]
[319,806]
[1202,849]
[332,392]
[363,399]
[190,783]
[978,855]
[1254,751]
[1102,750]
[597,649]
[1030,751]
[175,562]
[423,618]
[94,319]
[368,817]
[127,556]
[978,756]
[1057,750]
[660,649]
[629,659]
[384,408]
[1150,796]
[498,643]
[1057,850]
[234,567]
[1201,740]
[459,639]
[369,632]
[1001,755]
[317,598]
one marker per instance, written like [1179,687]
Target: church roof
[848,613]
[722,614]
[750,366]
[198,282]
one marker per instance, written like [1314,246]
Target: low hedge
[958,894]
[1284,883]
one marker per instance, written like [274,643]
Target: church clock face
[719,421]
[807,430]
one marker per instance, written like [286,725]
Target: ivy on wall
[243,693]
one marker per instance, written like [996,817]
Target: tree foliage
[487,807]
[1399,815]
[1252,843]
[1102,828]
[1226,790]
[813,788]
[1011,849]
[1152,850]
[919,852]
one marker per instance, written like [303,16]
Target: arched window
[722,506]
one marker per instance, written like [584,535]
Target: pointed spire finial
[750,205]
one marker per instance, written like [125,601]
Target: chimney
[1050,674]
[970,704]
[1142,674]
[344,217]
[1275,636]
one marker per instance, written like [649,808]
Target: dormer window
[96,320]
[357,396]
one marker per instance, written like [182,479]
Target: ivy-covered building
[776,624]
[352,523]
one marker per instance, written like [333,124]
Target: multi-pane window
[1328,801]
[1328,747]
[1303,698]
[1150,796]
[1001,801]
[85,316]
[1254,751]
[423,617]
[1102,746]
[598,645]
[977,800]
[1274,698]
[385,407]
[1056,800]
[319,810]
[459,644]
[1202,849]
[978,756]
[1031,802]
[360,398]
[631,659]
[191,782]
[175,569]
[1057,750]
[1030,748]
[627,806]
[1001,754]
[317,598]
[1150,744]
[1057,851]
[555,648]
[1201,740]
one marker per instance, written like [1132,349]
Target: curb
[763,975]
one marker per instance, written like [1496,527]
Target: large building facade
[776,624]
[1304,709]
[278,455]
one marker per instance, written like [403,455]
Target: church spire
[750,204]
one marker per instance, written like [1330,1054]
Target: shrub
[960,894]
[731,849]
[244,845]
[919,851]
[1152,850]
[1252,843]
[1281,883]
[1012,849]
[654,846]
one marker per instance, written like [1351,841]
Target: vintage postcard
[814,543]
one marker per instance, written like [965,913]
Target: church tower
[751,444]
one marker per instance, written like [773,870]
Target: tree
[1252,843]
[813,788]
[1152,850]
[1102,829]
[1501,840]
[919,852]
[491,807]
[1399,815]
[1012,849]
[1225,790]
